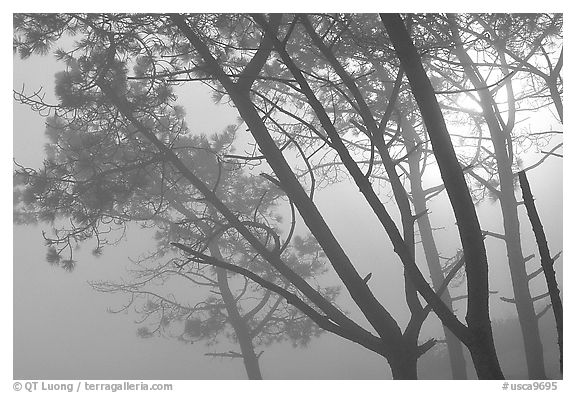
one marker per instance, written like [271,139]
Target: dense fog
[132,305]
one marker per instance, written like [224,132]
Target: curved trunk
[238,324]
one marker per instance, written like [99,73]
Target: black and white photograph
[287,196]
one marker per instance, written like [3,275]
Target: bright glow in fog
[62,328]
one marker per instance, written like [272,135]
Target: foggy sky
[62,328]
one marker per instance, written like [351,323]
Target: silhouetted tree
[546,260]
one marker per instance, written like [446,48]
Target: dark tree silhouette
[547,261]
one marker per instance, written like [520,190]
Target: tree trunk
[483,354]
[546,260]
[455,350]
[238,324]
[556,98]
[509,208]
[404,366]
[479,338]
[520,285]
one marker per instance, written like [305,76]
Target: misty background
[63,330]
